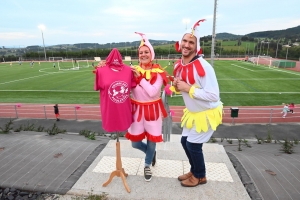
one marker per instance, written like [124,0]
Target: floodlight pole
[220,49]
[260,47]
[287,50]
[212,52]
[277,48]
[66,51]
[44,45]
[248,48]
[39,52]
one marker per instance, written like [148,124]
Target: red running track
[246,114]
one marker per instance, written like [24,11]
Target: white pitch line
[284,71]
[23,79]
[242,67]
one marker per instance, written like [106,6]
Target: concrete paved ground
[37,162]
[276,174]
[33,159]
[223,181]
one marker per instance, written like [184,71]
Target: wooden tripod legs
[119,170]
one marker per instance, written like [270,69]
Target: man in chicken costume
[196,80]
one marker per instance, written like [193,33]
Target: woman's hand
[102,63]
[135,71]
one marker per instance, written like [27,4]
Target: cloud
[16,36]
[127,12]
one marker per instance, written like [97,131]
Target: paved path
[33,161]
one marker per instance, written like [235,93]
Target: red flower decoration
[167,89]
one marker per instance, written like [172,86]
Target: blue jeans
[195,156]
[148,149]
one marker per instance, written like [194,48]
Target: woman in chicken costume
[147,106]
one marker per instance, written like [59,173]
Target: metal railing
[92,112]
[71,112]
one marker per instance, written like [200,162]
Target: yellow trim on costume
[201,120]
[192,90]
[172,88]
[148,71]
[142,43]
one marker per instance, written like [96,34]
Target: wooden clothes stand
[119,170]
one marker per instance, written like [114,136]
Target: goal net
[267,61]
[55,58]
[97,58]
[253,60]
[174,56]
[82,64]
[66,64]
[127,58]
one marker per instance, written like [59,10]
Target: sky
[108,21]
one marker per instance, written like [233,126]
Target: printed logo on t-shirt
[118,91]
[116,62]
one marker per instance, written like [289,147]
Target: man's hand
[180,85]
[175,84]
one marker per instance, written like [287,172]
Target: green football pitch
[241,84]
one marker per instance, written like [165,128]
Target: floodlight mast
[186,21]
[42,27]
[212,52]
[277,48]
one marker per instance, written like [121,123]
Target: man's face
[188,45]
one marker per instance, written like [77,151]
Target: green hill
[286,33]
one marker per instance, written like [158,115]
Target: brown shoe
[185,176]
[193,181]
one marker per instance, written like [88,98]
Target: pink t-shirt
[115,81]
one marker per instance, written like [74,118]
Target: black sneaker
[154,159]
[147,174]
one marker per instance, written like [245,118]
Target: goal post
[97,58]
[253,60]
[267,60]
[264,60]
[66,64]
[174,56]
[51,59]
[82,64]
[127,58]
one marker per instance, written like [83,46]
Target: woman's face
[144,55]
